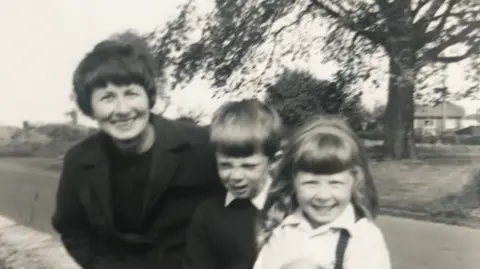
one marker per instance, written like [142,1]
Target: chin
[124,136]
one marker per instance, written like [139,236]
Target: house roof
[451,110]
[473,117]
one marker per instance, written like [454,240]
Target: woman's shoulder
[189,130]
[83,149]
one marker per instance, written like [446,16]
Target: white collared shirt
[295,240]
[258,201]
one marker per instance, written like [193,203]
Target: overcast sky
[44,40]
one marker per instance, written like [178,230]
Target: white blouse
[295,240]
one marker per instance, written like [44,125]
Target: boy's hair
[323,145]
[122,59]
[241,128]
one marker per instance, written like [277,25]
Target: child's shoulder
[367,228]
[212,203]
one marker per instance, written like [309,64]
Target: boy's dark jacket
[183,174]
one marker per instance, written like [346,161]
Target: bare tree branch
[458,15]
[433,34]
[301,15]
[377,36]
[454,59]
[454,39]
[420,5]
[422,24]
[328,10]
[383,4]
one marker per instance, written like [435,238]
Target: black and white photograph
[240,134]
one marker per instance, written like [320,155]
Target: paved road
[27,195]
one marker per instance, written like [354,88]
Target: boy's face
[322,198]
[121,111]
[243,176]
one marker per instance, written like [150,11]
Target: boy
[246,135]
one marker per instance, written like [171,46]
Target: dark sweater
[129,179]
[222,237]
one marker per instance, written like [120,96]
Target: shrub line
[470,222]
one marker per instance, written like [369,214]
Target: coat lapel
[165,159]
[97,172]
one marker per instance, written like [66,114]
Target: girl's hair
[122,59]
[323,145]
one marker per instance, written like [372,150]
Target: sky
[43,41]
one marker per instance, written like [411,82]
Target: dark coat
[183,174]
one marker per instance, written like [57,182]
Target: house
[430,119]
[471,120]
[469,131]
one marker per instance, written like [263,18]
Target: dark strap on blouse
[342,245]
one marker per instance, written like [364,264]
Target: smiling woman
[122,112]
[126,194]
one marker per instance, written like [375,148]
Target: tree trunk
[399,134]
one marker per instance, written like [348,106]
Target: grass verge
[445,191]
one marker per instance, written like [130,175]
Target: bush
[371,135]
[461,204]
[49,140]
[470,140]
[20,150]
[64,132]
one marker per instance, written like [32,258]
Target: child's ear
[277,157]
[275,160]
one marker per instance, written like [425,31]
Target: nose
[322,194]
[236,176]
[121,106]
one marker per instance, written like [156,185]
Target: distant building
[471,120]
[430,119]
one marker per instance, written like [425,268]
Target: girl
[322,203]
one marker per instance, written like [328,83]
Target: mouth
[323,208]
[239,188]
[124,123]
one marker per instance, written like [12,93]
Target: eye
[224,165]
[107,97]
[336,182]
[249,166]
[131,93]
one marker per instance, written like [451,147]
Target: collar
[258,201]
[345,221]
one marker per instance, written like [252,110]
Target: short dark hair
[121,59]
[241,128]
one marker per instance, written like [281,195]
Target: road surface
[27,196]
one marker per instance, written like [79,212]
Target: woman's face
[322,198]
[122,112]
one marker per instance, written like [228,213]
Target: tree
[298,94]
[418,37]
[73,116]
[229,36]
[193,116]
[376,118]
[413,35]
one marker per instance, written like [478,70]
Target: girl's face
[121,111]
[322,198]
